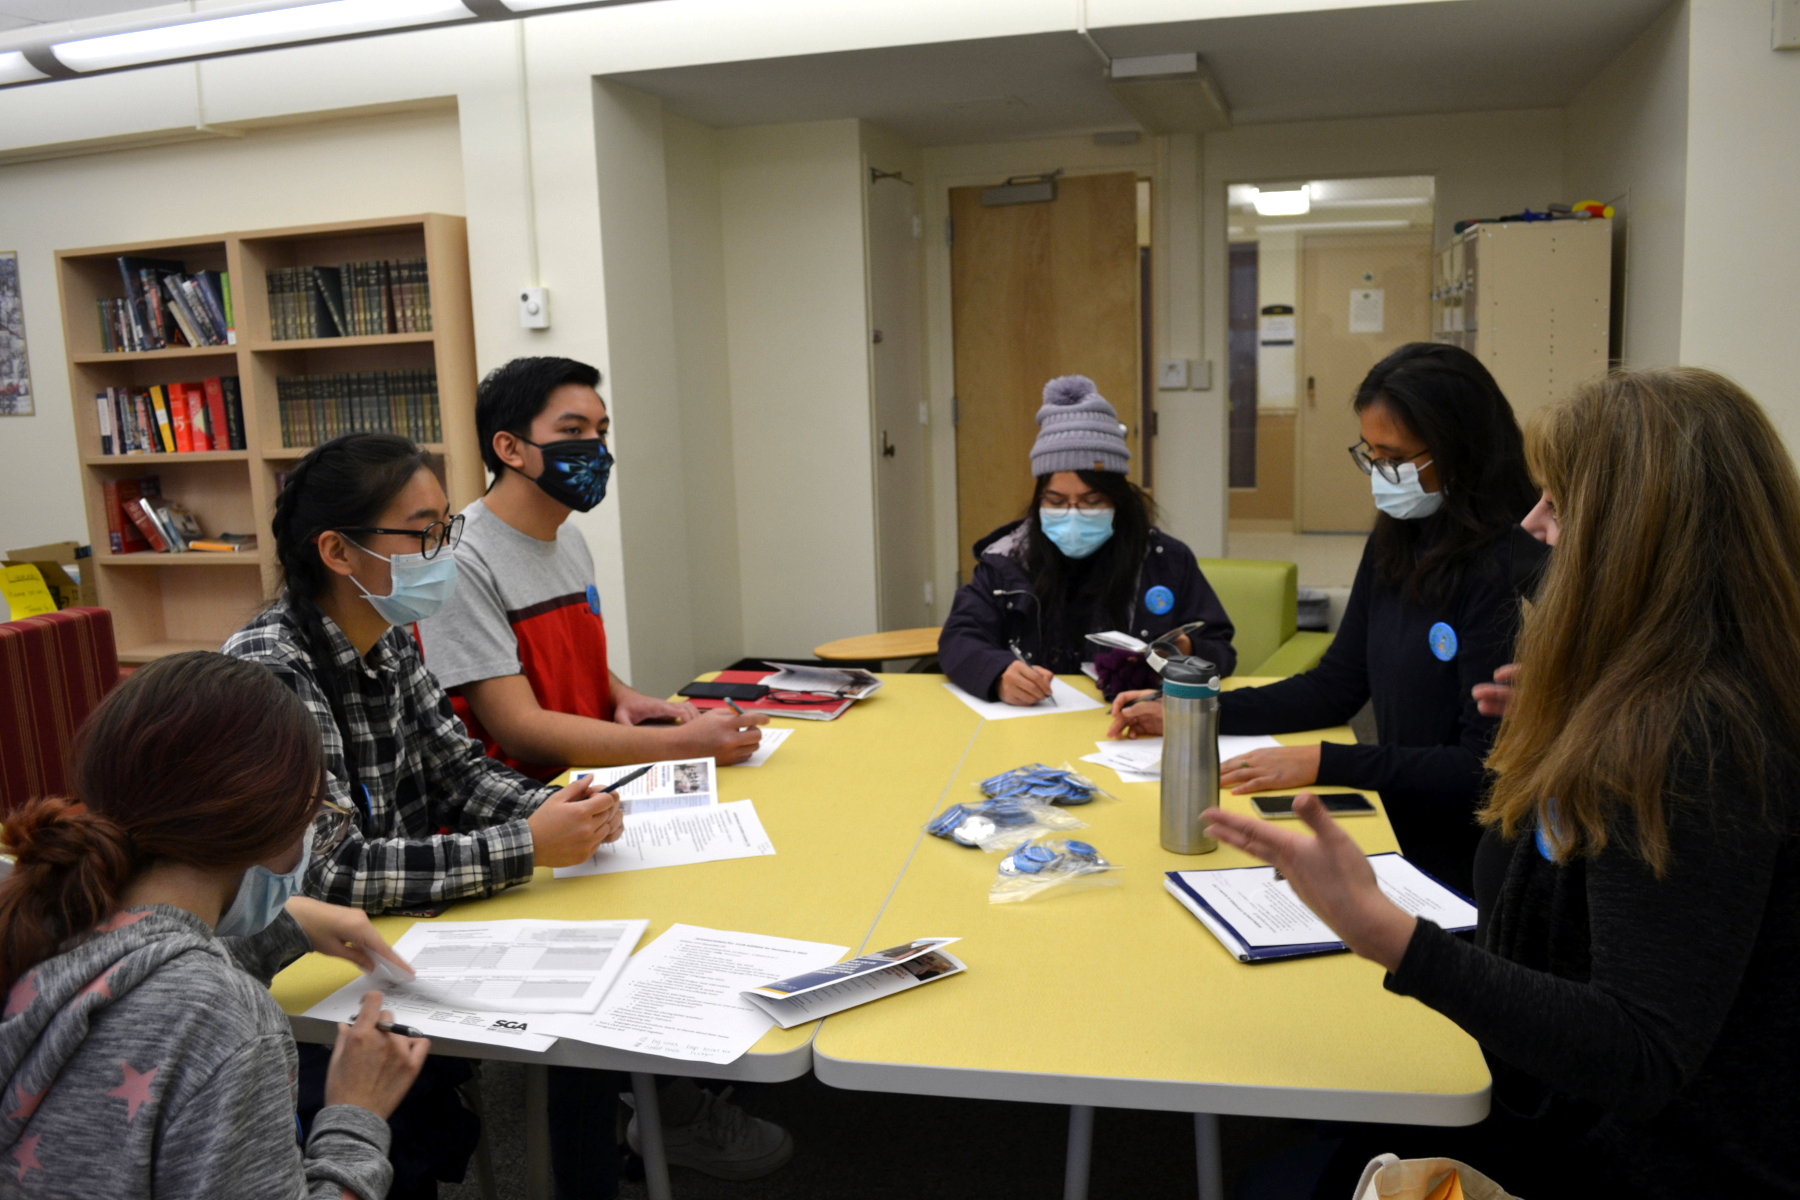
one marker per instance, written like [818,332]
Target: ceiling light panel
[14,68]
[252,31]
[1283,203]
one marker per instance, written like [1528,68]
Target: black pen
[396,1027]
[616,784]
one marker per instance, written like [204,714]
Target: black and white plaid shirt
[418,769]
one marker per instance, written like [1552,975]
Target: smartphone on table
[1338,804]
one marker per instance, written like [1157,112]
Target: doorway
[1286,328]
[1039,287]
[902,493]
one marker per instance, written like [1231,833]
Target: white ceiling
[1478,55]
[17,14]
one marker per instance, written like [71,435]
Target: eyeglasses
[1086,504]
[331,827]
[1388,468]
[432,538]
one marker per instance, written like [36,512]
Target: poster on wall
[15,370]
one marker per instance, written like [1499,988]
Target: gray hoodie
[148,1059]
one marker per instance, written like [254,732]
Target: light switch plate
[1786,32]
[1172,374]
[534,308]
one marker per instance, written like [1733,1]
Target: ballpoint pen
[1051,697]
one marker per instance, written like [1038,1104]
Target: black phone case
[724,691]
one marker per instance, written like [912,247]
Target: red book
[199,426]
[178,417]
[121,531]
[145,520]
[216,423]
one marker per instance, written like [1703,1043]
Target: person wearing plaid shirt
[367,548]
[418,773]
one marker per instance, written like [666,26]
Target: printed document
[832,989]
[1263,911]
[1067,700]
[771,741]
[679,837]
[678,783]
[682,995]
[1139,760]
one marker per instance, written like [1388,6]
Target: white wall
[1626,144]
[797,328]
[1277,282]
[1738,296]
[286,175]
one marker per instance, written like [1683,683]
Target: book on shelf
[350,299]
[168,527]
[116,497]
[317,408]
[165,306]
[174,418]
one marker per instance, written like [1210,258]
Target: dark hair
[344,483]
[196,758]
[512,396]
[1101,586]
[1450,402]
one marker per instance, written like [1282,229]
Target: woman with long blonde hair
[1635,980]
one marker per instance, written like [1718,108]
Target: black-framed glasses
[432,538]
[1085,504]
[1387,468]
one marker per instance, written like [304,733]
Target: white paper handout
[853,683]
[1233,744]
[515,966]
[1264,911]
[677,783]
[771,741]
[679,837]
[521,1031]
[1066,698]
[682,995]
[1137,760]
[832,989]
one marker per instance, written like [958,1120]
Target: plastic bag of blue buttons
[1000,824]
[1049,866]
[1063,786]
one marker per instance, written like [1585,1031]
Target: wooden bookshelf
[166,603]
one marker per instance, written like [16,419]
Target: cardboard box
[75,586]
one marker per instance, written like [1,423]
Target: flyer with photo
[833,989]
[678,783]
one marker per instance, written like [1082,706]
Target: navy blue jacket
[1418,663]
[996,611]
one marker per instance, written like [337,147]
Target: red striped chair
[53,672]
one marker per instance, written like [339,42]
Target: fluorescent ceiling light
[16,68]
[1136,67]
[1282,204]
[251,31]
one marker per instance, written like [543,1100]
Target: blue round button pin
[593,597]
[1442,640]
[1159,599]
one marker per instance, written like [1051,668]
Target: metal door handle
[887,447]
[1312,396]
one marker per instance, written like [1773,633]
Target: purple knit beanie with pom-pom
[1078,430]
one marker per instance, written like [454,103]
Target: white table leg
[650,1136]
[537,1132]
[1081,1152]
[1206,1156]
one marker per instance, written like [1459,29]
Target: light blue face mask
[421,586]
[1077,532]
[1407,500]
[262,894]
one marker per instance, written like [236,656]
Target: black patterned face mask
[575,471]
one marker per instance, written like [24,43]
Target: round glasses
[331,827]
[433,538]
[1387,468]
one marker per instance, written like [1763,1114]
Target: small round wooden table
[895,643]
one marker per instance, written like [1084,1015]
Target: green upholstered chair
[1262,599]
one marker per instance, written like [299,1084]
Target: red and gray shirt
[523,606]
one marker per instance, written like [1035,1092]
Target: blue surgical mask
[262,894]
[1407,500]
[420,586]
[1077,532]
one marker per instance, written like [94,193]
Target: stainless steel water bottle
[1190,762]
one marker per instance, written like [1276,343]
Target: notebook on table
[1257,917]
[806,694]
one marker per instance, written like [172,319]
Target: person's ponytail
[72,866]
[196,759]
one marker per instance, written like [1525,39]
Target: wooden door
[1362,296]
[901,497]
[1037,291]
